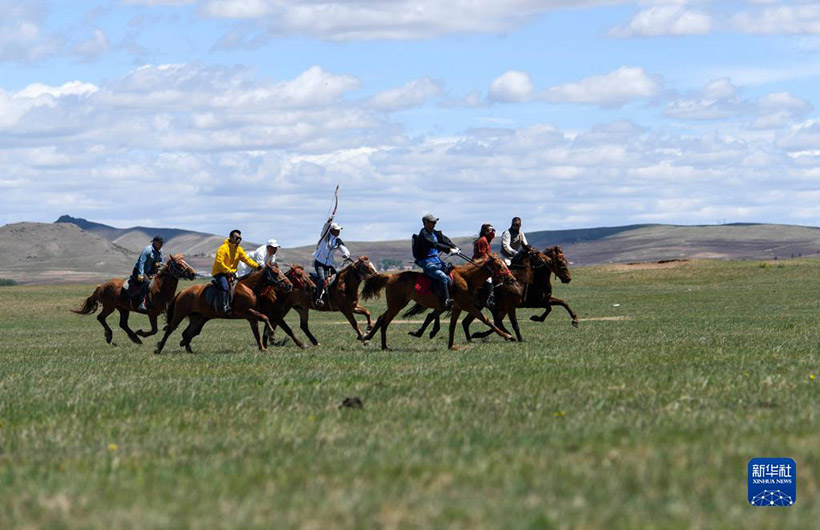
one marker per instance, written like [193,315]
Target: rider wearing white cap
[266,254]
[323,263]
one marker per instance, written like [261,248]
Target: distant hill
[77,250]
[198,247]
[59,253]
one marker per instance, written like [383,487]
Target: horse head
[177,267]
[364,267]
[558,263]
[299,278]
[274,276]
[499,269]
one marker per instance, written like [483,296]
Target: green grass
[647,419]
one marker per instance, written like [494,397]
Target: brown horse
[467,280]
[161,292]
[342,296]
[276,305]
[524,267]
[192,303]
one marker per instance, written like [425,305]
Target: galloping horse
[467,279]
[507,297]
[342,295]
[111,296]
[275,305]
[539,293]
[192,303]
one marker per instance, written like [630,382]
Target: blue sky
[210,115]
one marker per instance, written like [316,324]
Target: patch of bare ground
[650,265]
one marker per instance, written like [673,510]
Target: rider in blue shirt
[146,267]
[431,242]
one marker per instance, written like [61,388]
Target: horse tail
[417,309]
[373,286]
[91,303]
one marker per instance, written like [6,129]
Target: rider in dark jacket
[430,242]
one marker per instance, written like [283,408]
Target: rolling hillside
[76,250]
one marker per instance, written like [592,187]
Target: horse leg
[303,324]
[359,310]
[255,329]
[152,318]
[480,316]
[106,310]
[547,310]
[454,314]
[124,325]
[289,332]
[195,324]
[514,322]
[169,328]
[498,319]
[466,325]
[385,319]
[431,317]
[558,301]
[350,318]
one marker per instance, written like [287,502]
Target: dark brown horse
[467,280]
[193,303]
[111,296]
[277,305]
[342,296]
[524,267]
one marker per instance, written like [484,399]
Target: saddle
[134,291]
[211,294]
[427,285]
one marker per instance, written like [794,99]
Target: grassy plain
[644,417]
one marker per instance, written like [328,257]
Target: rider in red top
[481,250]
[481,247]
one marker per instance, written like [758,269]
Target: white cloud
[411,94]
[609,90]
[787,19]
[511,86]
[94,46]
[378,19]
[665,20]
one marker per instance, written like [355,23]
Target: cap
[430,217]
[159,239]
[273,243]
[335,226]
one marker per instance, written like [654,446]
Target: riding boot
[224,302]
[445,296]
[320,293]
[491,296]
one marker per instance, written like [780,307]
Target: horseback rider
[224,269]
[429,243]
[264,254]
[323,263]
[481,251]
[147,265]
[513,240]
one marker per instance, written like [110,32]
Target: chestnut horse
[342,296]
[524,267]
[276,305]
[111,296]
[467,280]
[192,303]
[539,293]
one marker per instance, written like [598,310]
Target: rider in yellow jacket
[227,259]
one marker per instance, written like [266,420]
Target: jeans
[322,271]
[435,270]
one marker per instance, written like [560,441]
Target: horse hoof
[575,323]
[511,339]
[534,318]
[157,352]
[454,348]
[414,334]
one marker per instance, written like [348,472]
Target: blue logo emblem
[772,482]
